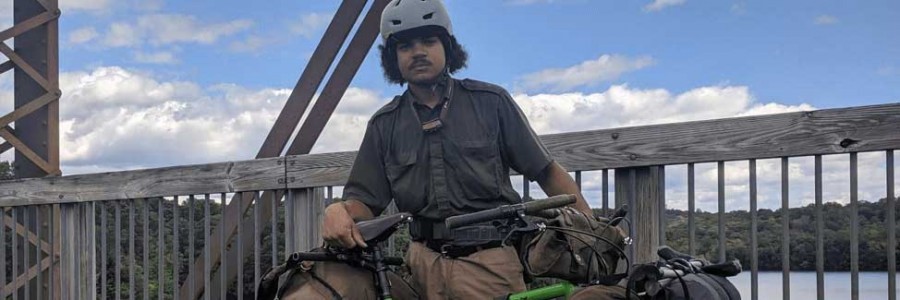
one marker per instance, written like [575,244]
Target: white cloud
[118,119]
[658,5]
[309,24]
[165,29]
[825,20]
[251,44]
[621,105]
[121,35]
[83,35]
[162,57]
[605,68]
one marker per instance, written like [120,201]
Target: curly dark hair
[456,56]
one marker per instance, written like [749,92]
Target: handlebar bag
[574,252]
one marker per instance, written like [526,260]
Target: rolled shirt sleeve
[368,182]
[522,148]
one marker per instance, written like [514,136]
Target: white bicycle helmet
[400,15]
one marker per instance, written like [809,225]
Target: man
[443,148]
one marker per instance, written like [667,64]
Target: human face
[421,60]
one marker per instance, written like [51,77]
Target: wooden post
[308,209]
[78,259]
[640,188]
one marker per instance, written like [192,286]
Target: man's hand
[339,229]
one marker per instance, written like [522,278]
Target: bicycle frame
[562,289]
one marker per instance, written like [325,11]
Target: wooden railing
[282,199]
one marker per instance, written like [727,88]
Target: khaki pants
[485,274]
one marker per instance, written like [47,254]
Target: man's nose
[418,49]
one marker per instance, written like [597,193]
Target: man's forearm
[356,209]
[557,182]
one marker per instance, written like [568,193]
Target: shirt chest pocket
[476,166]
[400,171]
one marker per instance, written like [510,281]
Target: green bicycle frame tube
[547,292]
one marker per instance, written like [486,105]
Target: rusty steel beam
[312,76]
[319,63]
[337,84]
[36,80]
[340,79]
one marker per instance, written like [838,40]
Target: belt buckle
[444,249]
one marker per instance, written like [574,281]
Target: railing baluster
[25,245]
[15,251]
[578,179]
[118,247]
[754,253]
[526,189]
[191,242]
[289,226]
[145,266]
[257,232]
[37,253]
[223,264]
[176,259]
[103,248]
[160,244]
[605,189]
[131,249]
[274,240]
[661,189]
[691,226]
[721,193]
[891,227]
[854,226]
[632,205]
[785,232]
[207,264]
[240,250]
[3,251]
[820,231]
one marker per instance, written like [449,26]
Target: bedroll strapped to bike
[678,276]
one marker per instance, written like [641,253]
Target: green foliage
[802,232]
[6,171]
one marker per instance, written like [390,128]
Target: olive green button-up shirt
[460,168]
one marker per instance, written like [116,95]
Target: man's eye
[402,45]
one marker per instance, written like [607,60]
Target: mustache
[419,62]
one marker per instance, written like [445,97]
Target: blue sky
[825,53]
[151,83]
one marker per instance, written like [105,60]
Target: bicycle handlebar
[511,210]
[325,256]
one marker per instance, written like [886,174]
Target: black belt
[425,230]
[453,251]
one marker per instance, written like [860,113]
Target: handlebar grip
[725,269]
[551,202]
[667,253]
[480,216]
[506,211]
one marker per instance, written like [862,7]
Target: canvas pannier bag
[328,280]
[577,248]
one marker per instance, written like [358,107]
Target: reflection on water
[872,285]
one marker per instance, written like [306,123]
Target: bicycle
[378,230]
[513,220]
